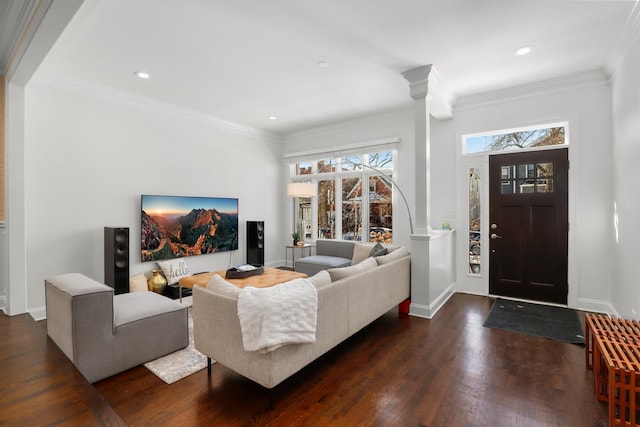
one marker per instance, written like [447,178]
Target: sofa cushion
[320,279]
[378,250]
[220,286]
[362,251]
[174,269]
[311,265]
[138,283]
[341,273]
[392,256]
[135,306]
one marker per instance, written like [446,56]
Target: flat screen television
[179,226]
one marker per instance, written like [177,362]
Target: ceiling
[314,62]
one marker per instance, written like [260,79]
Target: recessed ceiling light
[142,74]
[322,64]
[273,117]
[522,51]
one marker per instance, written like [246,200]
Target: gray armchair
[103,334]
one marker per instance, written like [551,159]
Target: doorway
[528,225]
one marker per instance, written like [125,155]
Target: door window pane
[531,178]
[508,187]
[544,185]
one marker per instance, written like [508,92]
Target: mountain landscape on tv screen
[201,231]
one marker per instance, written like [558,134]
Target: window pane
[544,185]
[304,217]
[474,220]
[544,169]
[526,186]
[326,209]
[380,210]
[526,171]
[303,168]
[352,209]
[381,160]
[508,172]
[516,140]
[328,165]
[352,163]
[508,187]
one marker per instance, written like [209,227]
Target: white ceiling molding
[94,90]
[426,82]
[571,82]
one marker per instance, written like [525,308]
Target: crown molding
[630,34]
[99,91]
[560,84]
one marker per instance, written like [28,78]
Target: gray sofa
[329,254]
[103,334]
[335,254]
[349,298]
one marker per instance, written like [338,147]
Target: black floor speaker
[255,242]
[116,258]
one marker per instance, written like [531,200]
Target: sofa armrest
[79,314]
[216,327]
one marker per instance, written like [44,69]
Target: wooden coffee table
[270,277]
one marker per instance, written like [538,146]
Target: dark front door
[528,225]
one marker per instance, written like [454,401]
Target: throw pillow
[361,251]
[138,283]
[174,270]
[392,256]
[322,278]
[378,250]
[221,286]
[341,273]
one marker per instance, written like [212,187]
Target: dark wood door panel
[529,225]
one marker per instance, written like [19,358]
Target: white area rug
[180,364]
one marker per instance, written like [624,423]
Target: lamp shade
[301,189]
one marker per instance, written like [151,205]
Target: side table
[293,253]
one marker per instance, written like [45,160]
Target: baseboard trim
[428,311]
[38,313]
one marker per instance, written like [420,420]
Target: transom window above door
[516,139]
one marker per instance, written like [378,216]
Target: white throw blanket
[271,317]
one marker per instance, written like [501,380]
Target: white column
[419,88]
[428,101]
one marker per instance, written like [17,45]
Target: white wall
[583,101]
[625,287]
[89,157]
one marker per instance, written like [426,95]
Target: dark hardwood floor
[400,371]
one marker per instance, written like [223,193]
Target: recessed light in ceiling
[142,74]
[273,117]
[524,50]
